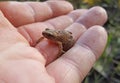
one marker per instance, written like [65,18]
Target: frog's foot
[62,52]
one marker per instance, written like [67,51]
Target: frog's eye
[47,29]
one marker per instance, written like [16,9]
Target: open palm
[25,61]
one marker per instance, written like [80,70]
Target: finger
[95,16]
[32,32]
[74,65]
[64,21]
[21,13]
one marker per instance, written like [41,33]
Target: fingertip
[94,16]
[59,7]
[77,13]
[102,13]
[95,39]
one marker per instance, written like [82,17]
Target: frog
[63,38]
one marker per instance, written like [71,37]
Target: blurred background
[107,68]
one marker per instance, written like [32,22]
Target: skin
[63,38]
[20,62]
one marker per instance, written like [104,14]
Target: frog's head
[49,34]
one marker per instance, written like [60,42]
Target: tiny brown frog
[62,37]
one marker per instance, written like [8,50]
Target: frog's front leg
[40,39]
[61,51]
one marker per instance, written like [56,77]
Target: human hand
[25,61]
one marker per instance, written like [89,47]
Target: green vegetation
[107,68]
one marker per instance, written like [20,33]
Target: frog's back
[67,40]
